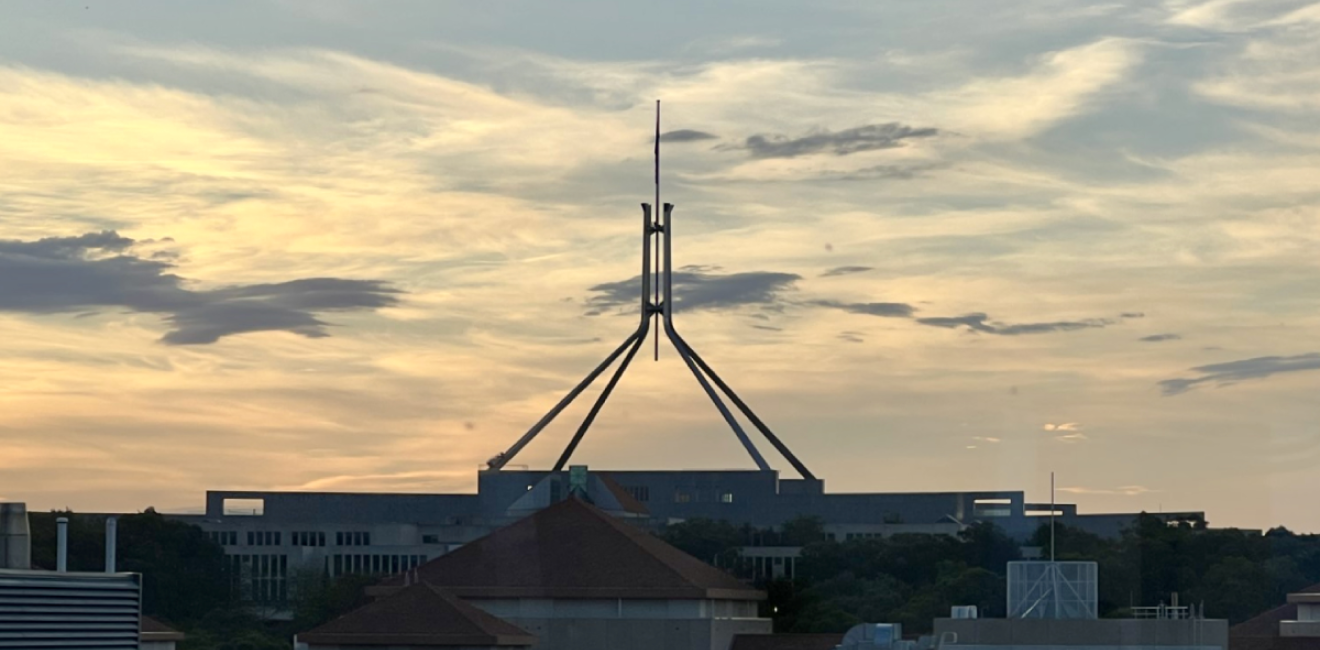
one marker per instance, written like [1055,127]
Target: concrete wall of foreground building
[609,624]
[638,634]
[1098,634]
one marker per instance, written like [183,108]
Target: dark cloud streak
[839,143]
[687,135]
[844,270]
[979,322]
[74,274]
[1156,338]
[1232,372]
[702,290]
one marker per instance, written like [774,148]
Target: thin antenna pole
[1051,516]
[656,292]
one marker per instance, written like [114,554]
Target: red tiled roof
[1262,631]
[574,550]
[786,641]
[151,629]
[419,615]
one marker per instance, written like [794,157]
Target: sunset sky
[939,245]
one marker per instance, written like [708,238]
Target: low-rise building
[578,578]
[419,616]
[1295,625]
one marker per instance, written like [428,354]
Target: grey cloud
[702,290]
[851,337]
[1156,338]
[839,143]
[883,172]
[74,274]
[1232,372]
[883,309]
[844,270]
[1132,314]
[978,322]
[686,135]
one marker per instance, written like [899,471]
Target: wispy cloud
[979,322]
[1156,338]
[687,135]
[1126,490]
[838,143]
[98,270]
[1066,426]
[1232,372]
[883,309]
[699,289]
[844,270]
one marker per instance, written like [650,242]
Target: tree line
[914,578]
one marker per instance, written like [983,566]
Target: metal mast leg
[648,231]
[503,458]
[600,402]
[667,306]
[747,411]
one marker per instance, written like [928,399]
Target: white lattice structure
[1053,590]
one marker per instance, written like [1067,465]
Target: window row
[700,496]
[373,564]
[263,538]
[313,538]
[260,578]
[352,539]
[224,537]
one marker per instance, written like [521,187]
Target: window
[249,507]
[726,497]
[356,538]
[430,539]
[224,537]
[314,538]
[682,497]
[639,492]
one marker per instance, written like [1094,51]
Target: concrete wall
[1107,633]
[638,634]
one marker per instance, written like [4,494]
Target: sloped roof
[574,550]
[786,641]
[419,615]
[1262,631]
[626,500]
[151,629]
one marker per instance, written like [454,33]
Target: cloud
[1067,426]
[991,440]
[851,337]
[1232,372]
[844,270]
[1126,490]
[882,309]
[687,135]
[1156,338]
[701,290]
[1071,437]
[1132,314]
[75,274]
[977,322]
[840,143]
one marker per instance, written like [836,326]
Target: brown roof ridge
[635,535]
[421,614]
[632,533]
[573,549]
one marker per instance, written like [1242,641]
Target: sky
[939,245]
